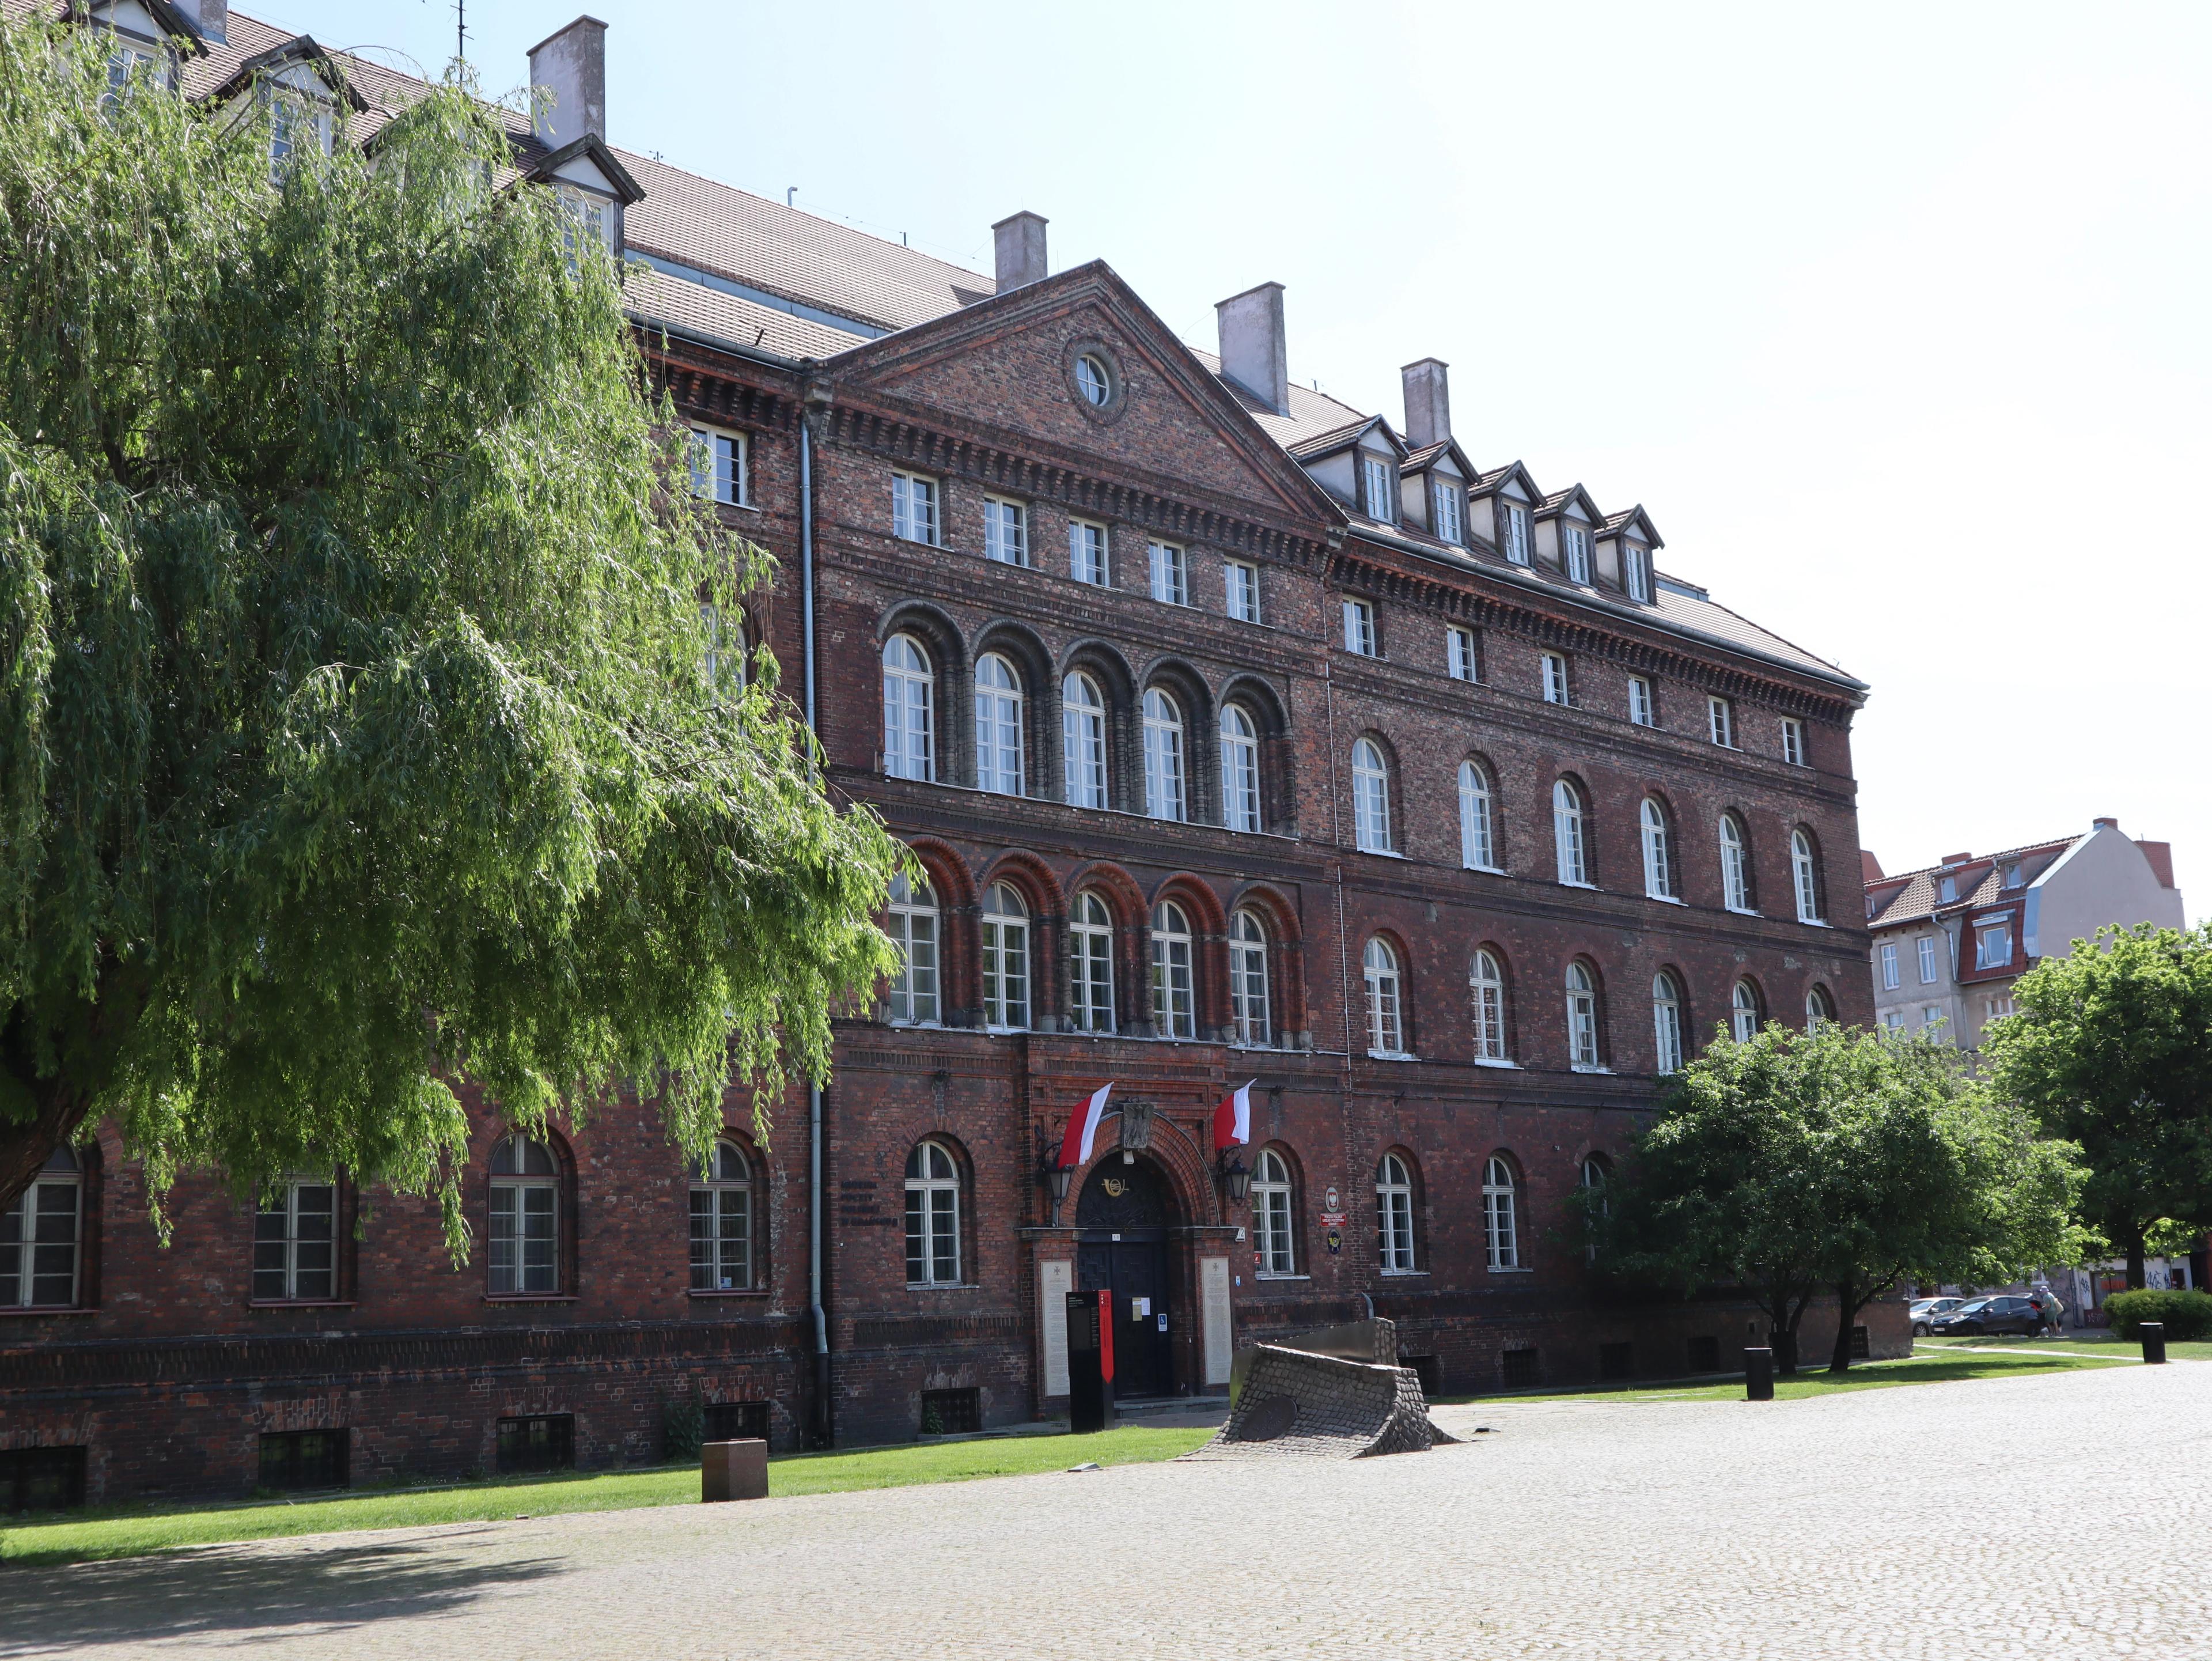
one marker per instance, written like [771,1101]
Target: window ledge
[1822,923]
[1486,870]
[1384,853]
[1739,911]
[40,1310]
[943,1285]
[734,1292]
[300,1303]
[1663,899]
[1590,886]
[1392,1055]
[530,1297]
[1497,1061]
[1580,1067]
[1516,1269]
[1403,1274]
[1277,1274]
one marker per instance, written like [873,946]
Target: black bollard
[2152,1333]
[1758,1375]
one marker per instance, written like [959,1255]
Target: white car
[1925,1309]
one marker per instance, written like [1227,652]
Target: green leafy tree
[1838,1162]
[2110,1047]
[357,735]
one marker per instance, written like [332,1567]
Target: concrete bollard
[1757,1375]
[2152,1333]
[733,1471]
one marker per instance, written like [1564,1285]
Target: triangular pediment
[1012,369]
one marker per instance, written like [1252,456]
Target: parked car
[1923,1311]
[1980,1316]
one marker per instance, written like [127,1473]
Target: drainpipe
[824,1429]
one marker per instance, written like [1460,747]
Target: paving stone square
[2060,1516]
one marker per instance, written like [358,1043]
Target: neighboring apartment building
[1242,735]
[1950,940]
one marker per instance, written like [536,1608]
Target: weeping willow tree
[356,737]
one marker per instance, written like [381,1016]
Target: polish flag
[1232,1120]
[1083,1129]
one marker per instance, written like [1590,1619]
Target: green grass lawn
[2106,1344]
[1947,1365]
[133,1531]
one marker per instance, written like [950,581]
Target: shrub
[2185,1314]
[684,1423]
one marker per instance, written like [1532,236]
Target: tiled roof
[1709,617]
[687,308]
[1917,902]
[1313,413]
[1416,460]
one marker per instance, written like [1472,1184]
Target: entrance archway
[1122,1221]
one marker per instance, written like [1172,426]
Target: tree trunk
[2134,1258]
[1839,1358]
[26,1145]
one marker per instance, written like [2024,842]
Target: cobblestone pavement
[1943,1521]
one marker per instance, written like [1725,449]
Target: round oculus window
[1090,380]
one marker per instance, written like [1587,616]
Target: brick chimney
[1428,403]
[2096,825]
[1253,351]
[1956,858]
[1018,244]
[568,83]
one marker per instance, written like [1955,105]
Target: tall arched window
[1240,769]
[1582,1016]
[1743,1012]
[1485,985]
[1371,798]
[913,998]
[909,700]
[1735,864]
[1273,1238]
[1386,1034]
[1006,960]
[1666,1022]
[1248,1006]
[1083,740]
[41,1236]
[1820,1008]
[998,727]
[1805,867]
[1597,1206]
[1164,768]
[1174,1013]
[1090,964]
[1478,840]
[1501,1231]
[524,1253]
[1394,1216]
[722,1223]
[932,1217]
[1567,833]
[1658,863]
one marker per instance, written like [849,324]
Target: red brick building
[1242,735]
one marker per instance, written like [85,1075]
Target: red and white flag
[1232,1120]
[1083,1128]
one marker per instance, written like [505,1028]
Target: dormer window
[584,214]
[1513,531]
[1575,539]
[1444,511]
[128,59]
[1947,891]
[297,125]
[2012,873]
[1636,572]
[1381,482]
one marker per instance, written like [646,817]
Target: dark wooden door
[1122,1248]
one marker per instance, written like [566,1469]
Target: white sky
[1894,317]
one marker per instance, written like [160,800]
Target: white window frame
[1371,798]
[1985,933]
[1792,741]
[1175,1002]
[1583,1052]
[1001,711]
[909,711]
[1575,541]
[1005,531]
[720,467]
[32,1216]
[916,928]
[915,509]
[1720,721]
[1083,740]
[509,1237]
[1666,1023]
[1567,835]
[1251,1006]
[1379,483]
[291,1245]
[1274,1234]
[1743,1012]
[1462,656]
[1444,508]
[1478,826]
[1170,573]
[1005,933]
[1514,533]
[1394,1216]
[1636,572]
[1658,863]
[1558,688]
[1240,590]
[1805,876]
[1166,793]
[1890,976]
[1386,1027]
[1501,1229]
[932,1216]
[1641,709]
[723,1251]
[1929,970]
[1359,628]
[1820,1010]
[1485,986]
[1240,769]
[1088,552]
[1090,963]
[1735,866]
[583,213]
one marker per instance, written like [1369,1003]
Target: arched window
[1394,1216]
[1582,1016]
[1164,768]
[1371,798]
[932,1216]
[41,1237]
[1820,1008]
[295,1244]
[1501,1232]
[1735,864]
[1666,1022]
[1090,964]
[1385,1034]
[524,1250]
[1272,1236]
[1567,833]
[1083,740]
[912,1000]
[1006,960]
[1240,769]
[722,1223]
[1743,1012]
[909,699]
[1478,842]
[998,727]
[1658,864]
[1173,1013]
[1249,1004]
[1805,868]
[1485,984]
[1596,1205]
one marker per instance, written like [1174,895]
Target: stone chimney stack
[2104,824]
[210,17]
[1019,243]
[1253,354]
[568,82]
[1428,403]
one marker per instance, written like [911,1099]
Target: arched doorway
[1121,1220]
